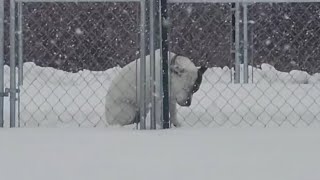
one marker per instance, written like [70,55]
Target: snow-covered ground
[54,98]
[176,154]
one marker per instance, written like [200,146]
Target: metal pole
[20,46]
[1,61]
[152,65]
[178,1]
[252,51]
[160,90]
[142,84]
[245,43]
[233,37]
[20,55]
[12,65]
[165,66]
[237,43]
[137,93]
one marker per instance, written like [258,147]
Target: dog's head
[186,79]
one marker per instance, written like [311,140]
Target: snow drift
[55,98]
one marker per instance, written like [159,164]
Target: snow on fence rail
[72,51]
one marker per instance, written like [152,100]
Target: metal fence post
[152,65]
[20,44]
[142,84]
[245,43]
[233,37]
[165,66]
[20,55]
[237,43]
[12,65]
[1,61]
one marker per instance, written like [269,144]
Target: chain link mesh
[83,44]
[283,64]
[202,32]
[285,35]
[78,42]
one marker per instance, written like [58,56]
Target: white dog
[122,104]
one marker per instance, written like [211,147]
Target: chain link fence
[67,49]
[283,55]
[285,35]
[72,51]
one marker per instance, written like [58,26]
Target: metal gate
[34,103]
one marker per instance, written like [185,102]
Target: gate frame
[2,93]
[16,20]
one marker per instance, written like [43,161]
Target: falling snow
[79,31]
[189,10]
[268,42]
[286,47]
[286,16]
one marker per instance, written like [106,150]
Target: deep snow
[54,98]
[180,154]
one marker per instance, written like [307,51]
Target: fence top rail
[75,1]
[243,1]
[183,1]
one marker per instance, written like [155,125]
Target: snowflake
[79,31]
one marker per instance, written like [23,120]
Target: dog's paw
[177,124]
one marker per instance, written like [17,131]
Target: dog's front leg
[173,113]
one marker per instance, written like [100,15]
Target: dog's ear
[174,66]
[202,69]
[176,69]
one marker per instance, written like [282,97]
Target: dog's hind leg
[120,113]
